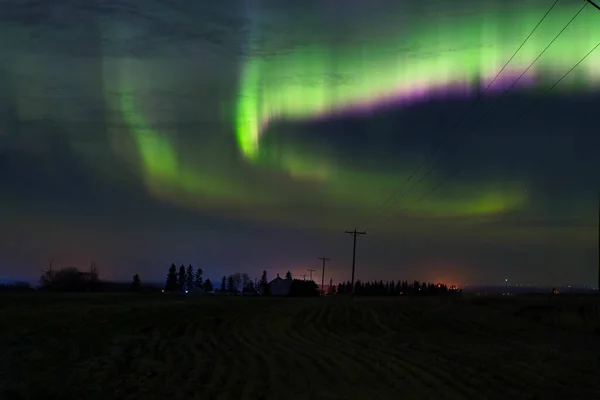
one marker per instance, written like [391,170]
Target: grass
[146,346]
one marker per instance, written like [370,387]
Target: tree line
[186,280]
[70,279]
[392,288]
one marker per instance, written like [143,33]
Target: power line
[531,105]
[464,135]
[382,208]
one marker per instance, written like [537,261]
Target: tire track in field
[197,354]
[457,335]
[296,361]
[364,352]
[309,349]
[253,357]
[493,355]
[220,358]
[399,363]
[502,345]
[430,376]
[337,363]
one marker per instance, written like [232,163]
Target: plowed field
[153,347]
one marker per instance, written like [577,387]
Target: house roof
[280,281]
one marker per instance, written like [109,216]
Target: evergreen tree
[171,284]
[264,283]
[198,279]
[189,277]
[181,278]
[231,286]
[223,284]
[249,287]
[136,285]
[288,275]
[207,286]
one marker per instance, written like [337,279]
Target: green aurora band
[455,58]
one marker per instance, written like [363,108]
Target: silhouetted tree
[358,287]
[231,287]
[288,275]
[237,281]
[223,284]
[331,288]
[189,278]
[93,274]
[404,288]
[249,288]
[304,288]
[171,284]
[207,286]
[198,279]
[136,285]
[246,281]
[264,284]
[16,287]
[181,278]
[70,280]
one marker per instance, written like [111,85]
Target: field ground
[157,347]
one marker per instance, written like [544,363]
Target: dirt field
[151,347]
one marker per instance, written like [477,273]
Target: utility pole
[303,277]
[310,271]
[323,274]
[594,4]
[597,8]
[50,272]
[354,233]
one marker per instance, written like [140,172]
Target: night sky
[243,135]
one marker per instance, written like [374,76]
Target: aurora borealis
[454,56]
[248,135]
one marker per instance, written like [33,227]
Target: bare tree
[48,275]
[237,281]
[245,281]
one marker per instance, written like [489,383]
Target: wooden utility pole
[303,277]
[354,233]
[597,8]
[593,4]
[310,271]
[323,274]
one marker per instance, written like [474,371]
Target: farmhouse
[280,286]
